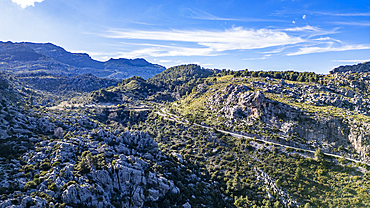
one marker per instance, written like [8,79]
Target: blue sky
[295,35]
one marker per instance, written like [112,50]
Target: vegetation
[281,159]
[181,79]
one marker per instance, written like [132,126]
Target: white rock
[186,205]
[153,194]
[69,196]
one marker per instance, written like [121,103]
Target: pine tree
[319,155]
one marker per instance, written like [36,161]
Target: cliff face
[295,123]
[47,57]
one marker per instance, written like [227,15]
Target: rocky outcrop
[78,166]
[362,67]
[269,183]
[295,126]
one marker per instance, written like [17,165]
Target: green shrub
[289,149]
[53,187]
[65,186]
[30,185]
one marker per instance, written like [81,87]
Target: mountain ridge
[360,67]
[188,137]
[24,57]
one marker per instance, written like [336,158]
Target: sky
[279,35]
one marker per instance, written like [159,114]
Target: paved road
[174,118]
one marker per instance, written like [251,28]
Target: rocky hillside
[168,85]
[330,113]
[181,79]
[57,158]
[362,67]
[188,137]
[46,57]
[59,85]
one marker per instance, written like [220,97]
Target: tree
[278,183]
[277,204]
[319,155]
[342,160]
[267,203]
[242,201]
[236,184]
[298,172]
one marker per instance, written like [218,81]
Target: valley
[184,137]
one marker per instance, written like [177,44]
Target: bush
[289,149]
[65,186]
[319,155]
[342,160]
[29,168]
[30,185]
[53,187]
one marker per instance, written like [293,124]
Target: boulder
[70,195]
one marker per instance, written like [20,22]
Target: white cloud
[330,48]
[166,51]
[26,3]
[169,43]
[210,42]
[304,17]
[300,29]
[202,15]
[293,22]
[345,14]
[352,23]
[261,58]
[164,61]
[275,51]
[353,61]
[328,39]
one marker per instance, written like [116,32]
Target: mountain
[361,67]
[256,129]
[35,57]
[168,85]
[67,158]
[181,79]
[232,139]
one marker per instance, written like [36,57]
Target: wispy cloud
[366,24]
[358,14]
[164,61]
[311,31]
[275,51]
[170,43]
[166,51]
[333,13]
[208,42]
[300,29]
[198,14]
[260,58]
[328,39]
[26,3]
[202,15]
[330,48]
[353,61]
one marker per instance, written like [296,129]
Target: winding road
[174,118]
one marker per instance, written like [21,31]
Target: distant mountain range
[33,58]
